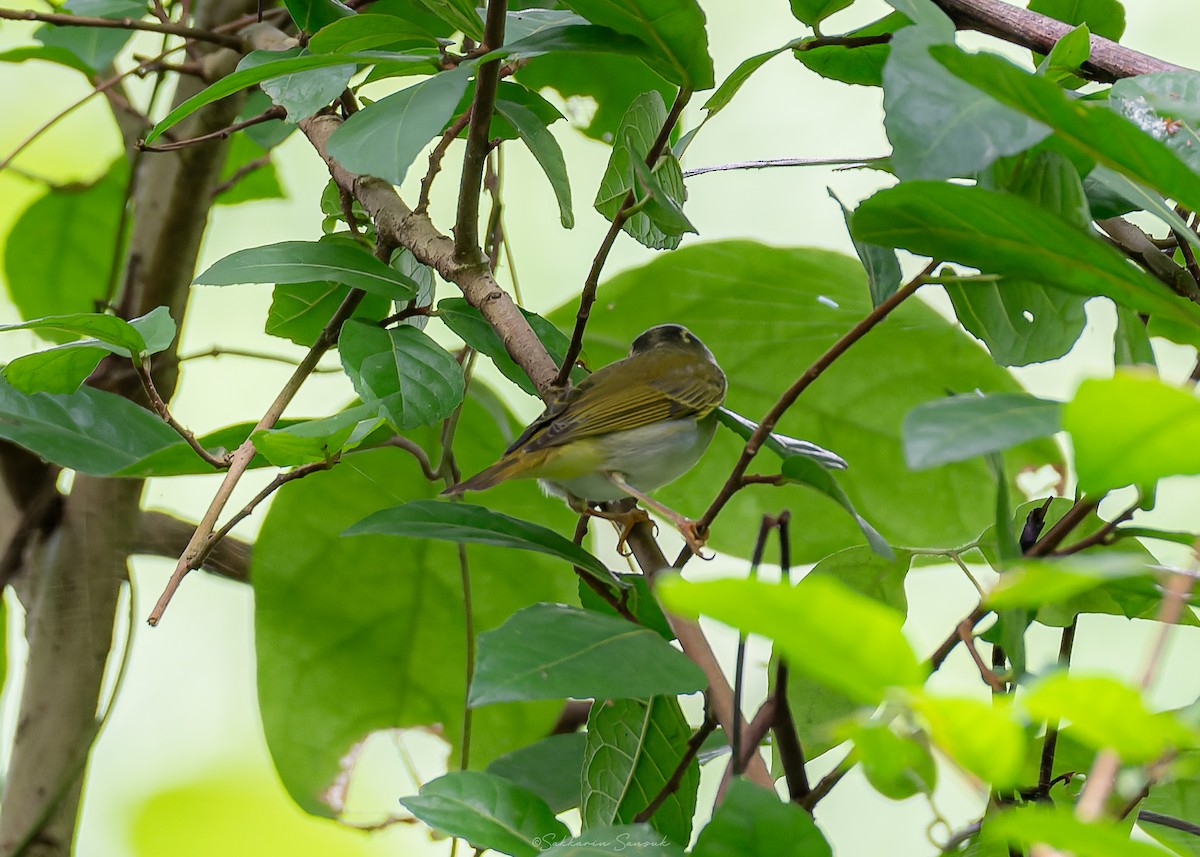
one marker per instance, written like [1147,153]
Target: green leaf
[824,630]
[1092,128]
[1176,797]
[310,441]
[674,30]
[780,444]
[552,651]
[1106,714]
[302,93]
[266,135]
[466,524]
[1058,828]
[880,263]
[56,370]
[1131,340]
[551,768]
[312,15]
[1034,583]
[732,84]
[982,738]
[1168,93]
[366,32]
[1004,234]
[960,427]
[384,138]
[89,430]
[612,82]
[409,377]
[639,128]
[344,626]
[256,71]
[637,599]
[488,811]
[939,126]
[925,13]
[116,332]
[804,301]
[96,47]
[304,261]
[1020,322]
[1105,18]
[60,250]
[805,471]
[258,181]
[752,822]
[861,65]
[1140,447]
[896,766]
[460,14]
[59,56]
[546,150]
[813,12]
[661,200]
[1068,54]
[617,839]
[633,746]
[1138,196]
[300,311]
[473,329]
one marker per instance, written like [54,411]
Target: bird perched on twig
[623,431]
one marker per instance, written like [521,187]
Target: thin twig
[487,77]
[587,296]
[767,163]
[61,20]
[1050,742]
[160,407]
[271,113]
[787,739]
[767,524]
[222,351]
[435,159]
[427,469]
[1169,821]
[469,633]
[1102,536]
[825,785]
[240,173]
[676,779]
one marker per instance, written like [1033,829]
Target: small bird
[623,431]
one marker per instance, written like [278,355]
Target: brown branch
[240,173]
[271,113]
[487,78]
[169,29]
[160,407]
[587,297]
[1102,536]
[427,469]
[1106,62]
[1050,742]
[825,785]
[1136,244]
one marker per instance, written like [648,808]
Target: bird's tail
[505,468]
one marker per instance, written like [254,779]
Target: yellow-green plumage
[646,418]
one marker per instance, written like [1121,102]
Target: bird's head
[669,336]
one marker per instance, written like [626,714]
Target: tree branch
[160,534]
[1107,61]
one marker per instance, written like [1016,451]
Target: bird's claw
[695,538]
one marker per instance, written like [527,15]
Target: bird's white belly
[647,457]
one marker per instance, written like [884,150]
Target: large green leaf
[463,523]
[960,427]
[344,626]
[862,65]
[824,629]
[1126,431]
[1103,17]
[1058,828]
[980,737]
[552,651]
[312,15]
[300,311]
[366,32]
[335,261]
[488,811]
[753,822]
[384,138]
[617,839]
[95,47]
[633,747]
[815,11]
[1092,128]
[939,126]
[301,93]
[1002,233]
[59,252]
[409,377]
[551,768]
[767,313]
[674,30]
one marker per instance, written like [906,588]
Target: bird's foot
[695,539]
[624,521]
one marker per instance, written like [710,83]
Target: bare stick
[170,29]
[160,407]
[274,112]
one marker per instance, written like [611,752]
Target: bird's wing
[615,402]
